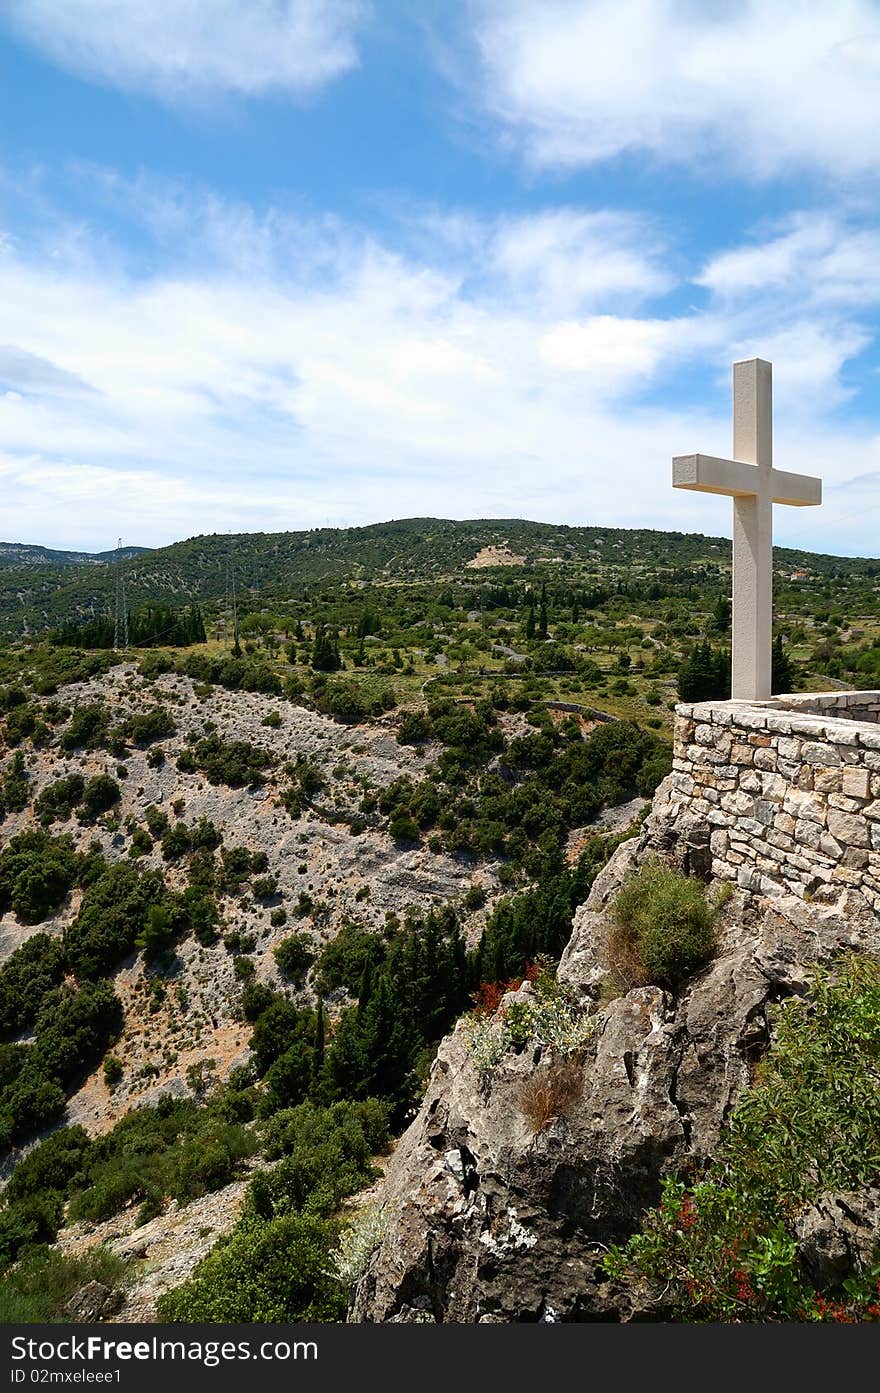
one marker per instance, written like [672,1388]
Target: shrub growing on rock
[663,928]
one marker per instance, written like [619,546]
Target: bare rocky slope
[483,1220]
[363,875]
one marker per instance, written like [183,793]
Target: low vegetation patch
[663,928]
[551,1092]
[726,1249]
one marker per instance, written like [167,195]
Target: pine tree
[783,674]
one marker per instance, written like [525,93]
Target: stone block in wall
[789,748]
[829,846]
[821,754]
[718,842]
[774,787]
[869,739]
[851,830]
[855,856]
[803,804]
[700,754]
[857,783]
[844,805]
[784,822]
[872,810]
[749,879]
[741,753]
[826,780]
[807,833]
[765,759]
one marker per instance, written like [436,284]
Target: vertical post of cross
[752,623]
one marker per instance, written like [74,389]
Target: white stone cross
[754,485]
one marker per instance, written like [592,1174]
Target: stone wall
[786,792]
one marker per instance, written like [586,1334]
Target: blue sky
[298,262]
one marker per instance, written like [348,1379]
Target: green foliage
[663,927]
[38,1289]
[236,763]
[113,912]
[175,1150]
[57,800]
[37,872]
[73,1030]
[152,624]
[537,922]
[25,978]
[100,794]
[275,1265]
[294,956]
[342,961]
[705,674]
[145,727]
[325,650]
[87,729]
[351,702]
[15,791]
[725,1248]
[263,1272]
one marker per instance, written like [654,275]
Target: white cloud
[184,48]
[259,392]
[816,255]
[568,259]
[764,86]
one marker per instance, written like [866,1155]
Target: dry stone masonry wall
[788,789]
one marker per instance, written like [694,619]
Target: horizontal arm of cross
[707,474]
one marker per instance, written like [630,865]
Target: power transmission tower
[120,628]
[236,646]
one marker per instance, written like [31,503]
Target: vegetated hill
[280,566]
[28,554]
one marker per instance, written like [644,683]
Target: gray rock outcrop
[485,1220]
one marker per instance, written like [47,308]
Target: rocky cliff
[484,1219]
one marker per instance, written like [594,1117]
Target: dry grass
[551,1092]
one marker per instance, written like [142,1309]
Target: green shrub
[87,728]
[145,727]
[294,956]
[263,1272]
[663,928]
[51,1165]
[404,829]
[37,873]
[112,1071]
[235,763]
[15,790]
[99,796]
[25,978]
[725,1248]
[58,800]
[113,912]
[28,1225]
[475,896]
[39,1288]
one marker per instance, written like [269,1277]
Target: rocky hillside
[489,1213]
[318,871]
